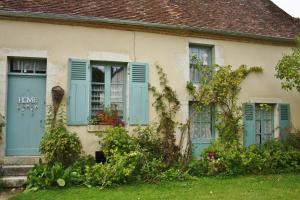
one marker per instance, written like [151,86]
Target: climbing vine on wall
[167,105]
[219,87]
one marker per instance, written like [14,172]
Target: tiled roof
[255,17]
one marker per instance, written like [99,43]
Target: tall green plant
[288,69]
[58,144]
[167,105]
[219,87]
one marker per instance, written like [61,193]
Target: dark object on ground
[100,157]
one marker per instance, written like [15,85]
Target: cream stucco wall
[58,43]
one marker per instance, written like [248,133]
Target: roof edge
[98,20]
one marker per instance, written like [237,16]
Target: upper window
[108,88]
[27,65]
[202,54]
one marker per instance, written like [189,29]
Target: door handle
[41,123]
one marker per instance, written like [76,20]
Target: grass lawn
[250,187]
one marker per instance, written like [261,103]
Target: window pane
[15,66]
[194,74]
[117,74]
[258,139]
[40,66]
[97,98]
[201,126]
[98,73]
[28,66]
[119,108]
[117,89]
[98,89]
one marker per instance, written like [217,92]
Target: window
[264,123]
[202,122]
[108,87]
[259,122]
[96,86]
[204,54]
[27,65]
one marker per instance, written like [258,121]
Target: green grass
[249,187]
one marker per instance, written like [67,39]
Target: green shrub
[147,144]
[116,140]
[119,170]
[59,145]
[293,140]
[228,160]
[149,141]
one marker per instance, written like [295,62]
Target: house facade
[103,54]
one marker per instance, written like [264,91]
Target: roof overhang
[144,26]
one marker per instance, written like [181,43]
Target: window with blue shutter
[258,123]
[78,93]
[138,94]
[284,120]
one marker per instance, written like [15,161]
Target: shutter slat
[78,70]
[138,94]
[138,73]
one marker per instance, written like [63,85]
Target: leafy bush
[116,140]
[222,159]
[148,140]
[293,140]
[59,145]
[118,170]
[149,164]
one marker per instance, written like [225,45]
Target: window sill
[98,128]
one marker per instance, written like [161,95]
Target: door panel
[25,114]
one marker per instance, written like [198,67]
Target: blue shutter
[78,92]
[138,94]
[249,123]
[284,120]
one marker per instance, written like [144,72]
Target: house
[103,53]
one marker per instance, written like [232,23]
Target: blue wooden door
[25,114]
[202,130]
